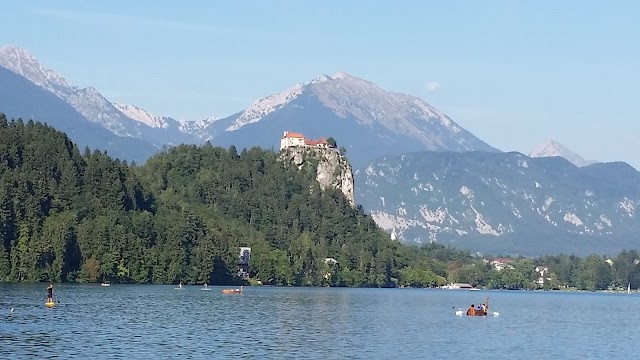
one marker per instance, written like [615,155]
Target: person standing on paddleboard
[50,293]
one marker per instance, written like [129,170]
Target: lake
[158,321]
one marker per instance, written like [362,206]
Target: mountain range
[354,111]
[365,119]
[418,171]
[503,202]
[20,98]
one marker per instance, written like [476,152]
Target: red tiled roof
[502,260]
[315,142]
[293,135]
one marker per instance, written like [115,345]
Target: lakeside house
[501,263]
[543,271]
[456,286]
[294,139]
[329,265]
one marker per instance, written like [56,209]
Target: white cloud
[432,86]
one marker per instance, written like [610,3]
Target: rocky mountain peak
[141,115]
[22,62]
[550,148]
[357,112]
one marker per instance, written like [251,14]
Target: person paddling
[50,293]
[471,310]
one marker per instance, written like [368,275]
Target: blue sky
[514,73]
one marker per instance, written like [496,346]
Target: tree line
[553,272]
[81,216]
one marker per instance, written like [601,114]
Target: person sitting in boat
[50,293]
[479,307]
[484,307]
[471,310]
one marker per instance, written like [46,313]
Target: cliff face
[332,169]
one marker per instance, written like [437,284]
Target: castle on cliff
[293,139]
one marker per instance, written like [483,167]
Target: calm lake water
[151,322]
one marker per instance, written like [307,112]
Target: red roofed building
[317,143]
[291,139]
[296,139]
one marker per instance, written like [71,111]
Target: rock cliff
[332,169]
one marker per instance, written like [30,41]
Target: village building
[458,286]
[543,272]
[501,263]
[243,262]
[294,139]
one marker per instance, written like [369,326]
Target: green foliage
[67,216]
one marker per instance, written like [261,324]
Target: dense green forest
[67,215]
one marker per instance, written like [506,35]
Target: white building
[543,271]
[501,263]
[291,139]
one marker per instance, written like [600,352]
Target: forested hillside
[67,216]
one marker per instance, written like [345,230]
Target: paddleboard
[49,304]
[205,289]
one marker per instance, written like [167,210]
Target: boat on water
[105,284]
[233,291]
[480,310]
[179,286]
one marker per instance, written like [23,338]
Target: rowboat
[232,291]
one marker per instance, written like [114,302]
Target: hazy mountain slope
[122,120]
[508,202]
[21,98]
